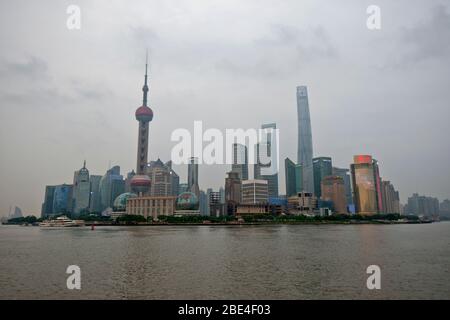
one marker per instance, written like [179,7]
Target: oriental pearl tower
[140,183]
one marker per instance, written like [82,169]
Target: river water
[227,262]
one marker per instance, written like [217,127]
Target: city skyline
[85,112]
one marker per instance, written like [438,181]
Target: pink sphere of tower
[144,114]
[140,183]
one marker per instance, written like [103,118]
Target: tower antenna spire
[145,87]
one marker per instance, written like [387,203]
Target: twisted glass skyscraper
[305,149]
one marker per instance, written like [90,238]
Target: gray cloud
[429,39]
[31,67]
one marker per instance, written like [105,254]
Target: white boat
[62,221]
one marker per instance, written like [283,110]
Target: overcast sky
[70,95]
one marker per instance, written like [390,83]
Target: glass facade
[293,177]
[364,188]
[322,168]
[61,199]
[305,148]
[240,161]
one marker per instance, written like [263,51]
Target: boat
[62,221]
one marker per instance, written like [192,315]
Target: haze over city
[69,95]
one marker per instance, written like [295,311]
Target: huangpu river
[227,262]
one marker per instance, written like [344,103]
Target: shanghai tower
[305,149]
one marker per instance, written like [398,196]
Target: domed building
[120,203]
[187,204]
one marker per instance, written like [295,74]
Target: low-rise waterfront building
[151,206]
[303,203]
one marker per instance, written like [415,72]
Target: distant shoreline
[261,223]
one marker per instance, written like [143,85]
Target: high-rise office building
[377,179]
[174,179]
[208,195]
[240,160]
[61,198]
[233,185]
[160,177]
[95,202]
[203,203]
[391,198]
[47,206]
[305,146]
[111,186]
[293,177]
[266,160]
[233,192]
[216,207]
[16,213]
[322,168]
[81,190]
[364,175]
[128,179]
[345,175]
[255,192]
[422,206]
[193,176]
[333,189]
[222,195]
[444,209]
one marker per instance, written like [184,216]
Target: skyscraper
[61,198]
[140,183]
[203,203]
[390,196]
[345,175]
[422,206]
[267,149]
[232,192]
[240,160]
[174,179]
[216,207]
[322,167]
[81,190]
[333,189]
[293,175]
[160,177]
[193,176]
[377,179]
[94,202]
[364,184]
[47,206]
[111,186]
[128,179]
[305,147]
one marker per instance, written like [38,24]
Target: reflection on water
[239,262]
